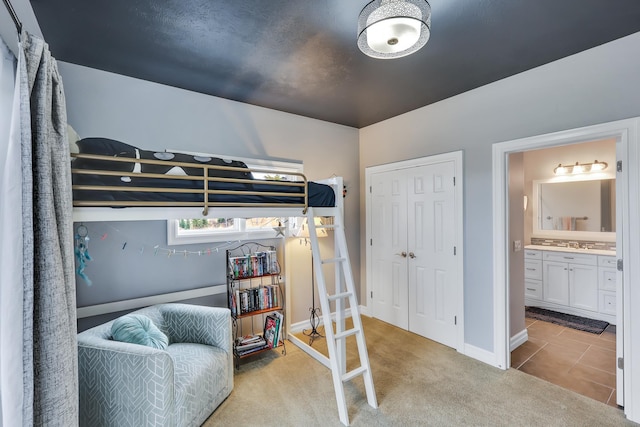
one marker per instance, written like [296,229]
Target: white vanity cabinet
[572,282]
[571,279]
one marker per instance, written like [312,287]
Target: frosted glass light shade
[393,28]
[598,166]
[393,35]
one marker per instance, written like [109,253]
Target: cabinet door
[607,279]
[583,287]
[556,282]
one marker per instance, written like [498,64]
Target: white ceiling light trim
[390,29]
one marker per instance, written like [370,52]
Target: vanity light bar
[578,168]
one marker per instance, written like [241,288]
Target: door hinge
[619,166]
[454,250]
[620,363]
[619,265]
[372,294]
[455,320]
[370,189]
[454,181]
[370,242]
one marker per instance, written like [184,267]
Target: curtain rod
[14,16]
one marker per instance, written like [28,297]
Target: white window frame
[208,236]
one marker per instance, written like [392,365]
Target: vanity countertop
[573,250]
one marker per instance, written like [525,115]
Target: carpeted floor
[418,383]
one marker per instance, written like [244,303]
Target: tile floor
[576,360]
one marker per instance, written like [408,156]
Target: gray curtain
[50,346]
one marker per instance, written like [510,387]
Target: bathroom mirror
[582,208]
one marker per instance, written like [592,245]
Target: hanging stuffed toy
[82,252]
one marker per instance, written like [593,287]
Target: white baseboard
[364,310]
[518,339]
[480,354]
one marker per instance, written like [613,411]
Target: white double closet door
[413,232]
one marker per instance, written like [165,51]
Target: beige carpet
[418,383]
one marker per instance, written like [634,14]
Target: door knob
[402,254]
[412,255]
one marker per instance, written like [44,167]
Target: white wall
[153,116]
[595,86]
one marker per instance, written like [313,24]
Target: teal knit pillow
[138,329]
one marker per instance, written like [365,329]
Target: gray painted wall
[157,117]
[125,265]
[595,86]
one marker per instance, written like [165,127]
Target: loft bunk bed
[132,183]
[114,181]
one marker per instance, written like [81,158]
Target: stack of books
[249,344]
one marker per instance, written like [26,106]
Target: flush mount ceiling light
[390,29]
[596,166]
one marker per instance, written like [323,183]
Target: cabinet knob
[402,254]
[412,255]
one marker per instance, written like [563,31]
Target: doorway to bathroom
[623,132]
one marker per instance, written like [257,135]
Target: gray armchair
[124,384]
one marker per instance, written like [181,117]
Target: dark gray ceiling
[301,56]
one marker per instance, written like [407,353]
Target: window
[191,231]
[206,230]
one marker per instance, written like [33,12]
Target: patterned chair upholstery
[124,384]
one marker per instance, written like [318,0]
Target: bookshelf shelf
[255,297]
[258,312]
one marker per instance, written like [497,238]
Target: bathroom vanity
[571,280]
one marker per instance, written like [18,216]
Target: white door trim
[457,158]
[625,131]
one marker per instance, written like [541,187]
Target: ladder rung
[332,260]
[328,226]
[346,333]
[352,374]
[338,296]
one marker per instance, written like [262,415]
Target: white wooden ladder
[336,340]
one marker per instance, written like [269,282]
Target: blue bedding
[320,195]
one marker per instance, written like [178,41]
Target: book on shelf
[270,330]
[244,301]
[243,352]
[254,265]
[279,321]
[248,345]
[247,339]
